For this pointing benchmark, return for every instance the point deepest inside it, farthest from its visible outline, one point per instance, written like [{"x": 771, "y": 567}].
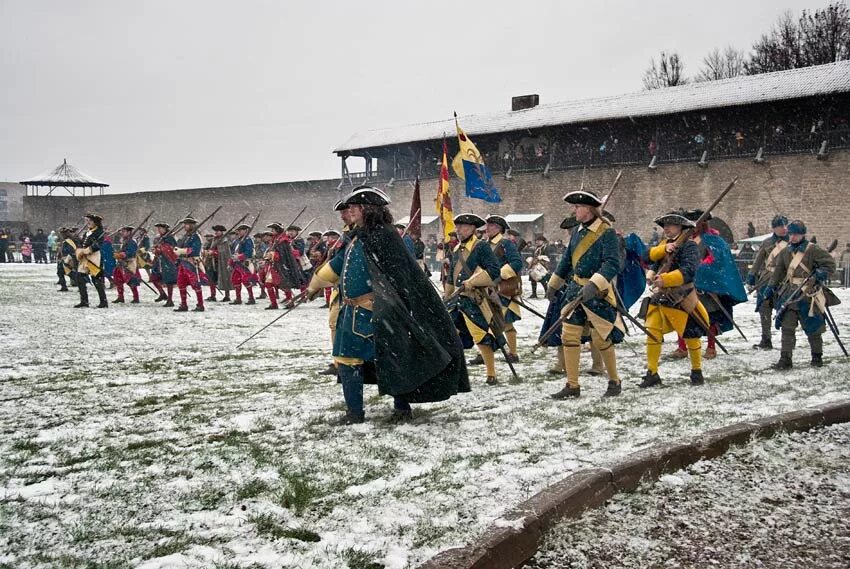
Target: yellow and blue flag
[{"x": 469, "y": 167}]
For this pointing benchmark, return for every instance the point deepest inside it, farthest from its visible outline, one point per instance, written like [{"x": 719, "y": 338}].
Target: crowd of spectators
[{"x": 28, "y": 248}]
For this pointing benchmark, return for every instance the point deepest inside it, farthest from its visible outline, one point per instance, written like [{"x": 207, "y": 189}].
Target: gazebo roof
[{"x": 65, "y": 176}]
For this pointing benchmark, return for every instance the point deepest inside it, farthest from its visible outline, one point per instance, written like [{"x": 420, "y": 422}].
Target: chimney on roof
[{"x": 524, "y": 102}]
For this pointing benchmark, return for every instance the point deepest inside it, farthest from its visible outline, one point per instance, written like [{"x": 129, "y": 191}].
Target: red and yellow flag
[{"x": 444, "y": 199}]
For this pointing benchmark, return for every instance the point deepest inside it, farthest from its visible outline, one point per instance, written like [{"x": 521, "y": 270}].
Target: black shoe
[
  {"x": 63, "y": 289},
  {"x": 169, "y": 303},
  {"x": 650, "y": 380},
  {"x": 326, "y": 305},
  {"x": 235, "y": 302},
  {"x": 182, "y": 308},
  {"x": 400, "y": 416},
  {"x": 512, "y": 358},
  {"x": 763, "y": 345},
  {"x": 271, "y": 307},
  {"x": 331, "y": 370},
  {"x": 118, "y": 300},
  {"x": 198, "y": 309},
  {"x": 784, "y": 362},
  {"x": 82, "y": 305},
  {"x": 102, "y": 305},
  {"x": 211, "y": 299},
  {"x": 817, "y": 360},
  {"x": 134, "y": 301},
  {"x": 567, "y": 393},
  {"x": 476, "y": 361},
  {"x": 696, "y": 377},
  {"x": 533, "y": 296},
  {"x": 251, "y": 301},
  {"x": 491, "y": 380},
  {"x": 226, "y": 298},
  {"x": 614, "y": 389},
  {"x": 351, "y": 418},
  {"x": 160, "y": 298}
]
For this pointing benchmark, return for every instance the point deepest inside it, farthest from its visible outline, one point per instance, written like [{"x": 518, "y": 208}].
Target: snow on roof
[
  {"x": 744, "y": 90},
  {"x": 522, "y": 217},
  {"x": 64, "y": 175},
  {"x": 426, "y": 219}
]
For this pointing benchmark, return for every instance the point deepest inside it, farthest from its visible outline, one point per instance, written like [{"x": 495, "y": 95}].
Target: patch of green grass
[
  {"x": 298, "y": 493},
  {"x": 359, "y": 559},
  {"x": 147, "y": 443},
  {"x": 26, "y": 445},
  {"x": 206, "y": 497},
  {"x": 252, "y": 489},
  {"x": 266, "y": 524},
  {"x": 230, "y": 438}
]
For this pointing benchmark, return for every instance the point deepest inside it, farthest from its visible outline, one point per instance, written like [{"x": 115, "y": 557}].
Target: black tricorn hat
[
  {"x": 674, "y": 217},
  {"x": 498, "y": 220},
  {"x": 162, "y": 224},
  {"x": 568, "y": 223},
  {"x": 331, "y": 232},
  {"x": 293, "y": 228},
  {"x": 191, "y": 220},
  {"x": 219, "y": 228},
  {"x": 340, "y": 206},
  {"x": 514, "y": 232},
  {"x": 128, "y": 228},
  {"x": 316, "y": 233},
  {"x": 541, "y": 237},
  {"x": 400, "y": 226},
  {"x": 276, "y": 226},
  {"x": 94, "y": 217},
  {"x": 470, "y": 219},
  {"x": 366, "y": 195},
  {"x": 244, "y": 226},
  {"x": 583, "y": 197},
  {"x": 694, "y": 215},
  {"x": 607, "y": 215}
]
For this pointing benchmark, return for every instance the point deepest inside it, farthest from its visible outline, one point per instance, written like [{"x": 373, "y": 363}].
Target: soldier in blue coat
[
  {"x": 125, "y": 271},
  {"x": 90, "y": 262},
  {"x": 761, "y": 273},
  {"x": 164, "y": 266},
  {"x": 475, "y": 270},
  {"x": 510, "y": 285},
  {"x": 586, "y": 271},
  {"x": 189, "y": 266},
  {"x": 67, "y": 262}
]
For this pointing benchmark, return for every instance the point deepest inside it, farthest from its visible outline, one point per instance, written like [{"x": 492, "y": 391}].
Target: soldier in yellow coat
[{"x": 674, "y": 306}]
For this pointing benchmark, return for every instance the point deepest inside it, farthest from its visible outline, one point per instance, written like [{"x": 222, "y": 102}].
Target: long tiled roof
[{"x": 744, "y": 90}]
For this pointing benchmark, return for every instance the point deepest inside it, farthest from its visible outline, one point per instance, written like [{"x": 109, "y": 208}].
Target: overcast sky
[{"x": 167, "y": 94}]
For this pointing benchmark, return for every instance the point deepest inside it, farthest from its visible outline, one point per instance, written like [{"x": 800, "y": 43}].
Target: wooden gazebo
[{"x": 64, "y": 176}]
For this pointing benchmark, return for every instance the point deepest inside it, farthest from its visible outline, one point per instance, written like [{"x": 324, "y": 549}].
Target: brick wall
[{"x": 798, "y": 186}]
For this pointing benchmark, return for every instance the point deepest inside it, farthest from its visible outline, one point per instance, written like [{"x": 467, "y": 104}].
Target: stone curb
[{"x": 514, "y": 538}]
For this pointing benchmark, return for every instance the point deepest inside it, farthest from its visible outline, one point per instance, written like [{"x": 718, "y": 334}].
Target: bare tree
[
  {"x": 818, "y": 37},
  {"x": 717, "y": 65},
  {"x": 668, "y": 72}
]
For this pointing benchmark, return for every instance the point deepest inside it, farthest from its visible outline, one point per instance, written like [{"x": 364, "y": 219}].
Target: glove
[
  {"x": 768, "y": 292},
  {"x": 180, "y": 251},
  {"x": 551, "y": 294},
  {"x": 589, "y": 292},
  {"x": 821, "y": 276},
  {"x": 751, "y": 279}
]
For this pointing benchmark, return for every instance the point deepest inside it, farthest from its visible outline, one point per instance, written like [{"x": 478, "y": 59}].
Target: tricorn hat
[
  {"x": 469, "y": 219},
  {"x": 128, "y": 228},
  {"x": 244, "y": 226},
  {"x": 400, "y": 226},
  {"x": 94, "y": 217},
  {"x": 219, "y": 228},
  {"x": 498, "y": 220},
  {"x": 568, "y": 223},
  {"x": 191, "y": 220},
  {"x": 609, "y": 217},
  {"x": 583, "y": 197},
  {"x": 162, "y": 224},
  {"x": 340, "y": 206},
  {"x": 674, "y": 217},
  {"x": 276, "y": 226},
  {"x": 315, "y": 233},
  {"x": 695, "y": 214},
  {"x": 331, "y": 232},
  {"x": 366, "y": 195},
  {"x": 293, "y": 228},
  {"x": 514, "y": 232}
]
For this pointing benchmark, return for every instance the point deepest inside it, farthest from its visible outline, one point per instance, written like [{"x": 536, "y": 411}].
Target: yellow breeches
[
  {"x": 571, "y": 339},
  {"x": 510, "y": 336},
  {"x": 658, "y": 323},
  {"x": 489, "y": 359}
]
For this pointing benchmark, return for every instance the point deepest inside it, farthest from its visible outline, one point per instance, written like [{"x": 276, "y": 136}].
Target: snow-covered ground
[
  {"x": 138, "y": 437},
  {"x": 780, "y": 502}
]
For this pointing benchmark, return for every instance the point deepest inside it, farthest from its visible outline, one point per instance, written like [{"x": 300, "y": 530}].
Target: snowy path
[
  {"x": 781, "y": 502},
  {"x": 159, "y": 446}
]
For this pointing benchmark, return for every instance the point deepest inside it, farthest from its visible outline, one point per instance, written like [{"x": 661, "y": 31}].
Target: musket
[
  {"x": 216, "y": 242},
  {"x": 725, "y": 312},
  {"x": 685, "y": 235},
  {"x": 522, "y": 303},
  {"x": 833, "y": 327},
  {"x": 496, "y": 325},
  {"x": 566, "y": 312},
  {"x": 792, "y": 299},
  {"x": 300, "y": 299},
  {"x": 611, "y": 191},
  {"x": 177, "y": 227},
  {"x": 621, "y": 308},
  {"x": 309, "y": 223},
  {"x": 140, "y": 225},
  {"x": 207, "y": 218},
  {"x": 291, "y": 223}
]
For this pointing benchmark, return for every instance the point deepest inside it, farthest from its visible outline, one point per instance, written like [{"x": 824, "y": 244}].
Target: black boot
[
  {"x": 351, "y": 418},
  {"x": 696, "y": 377},
  {"x": 182, "y": 308},
  {"x": 161, "y": 297},
  {"x": 763, "y": 345},
  {"x": 567, "y": 392},
  {"x": 198, "y": 309},
  {"x": 331, "y": 370},
  {"x": 168, "y": 303},
  {"x": 784, "y": 362},
  {"x": 400, "y": 416},
  {"x": 512, "y": 358},
  {"x": 614, "y": 389},
  {"x": 63, "y": 289},
  {"x": 491, "y": 380},
  {"x": 650, "y": 380},
  {"x": 817, "y": 360},
  {"x": 476, "y": 361},
  {"x": 84, "y": 296}
]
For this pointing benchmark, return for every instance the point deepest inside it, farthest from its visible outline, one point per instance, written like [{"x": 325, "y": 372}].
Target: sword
[
  {"x": 621, "y": 308},
  {"x": 716, "y": 299},
  {"x": 301, "y": 299},
  {"x": 522, "y": 303},
  {"x": 565, "y": 313}
]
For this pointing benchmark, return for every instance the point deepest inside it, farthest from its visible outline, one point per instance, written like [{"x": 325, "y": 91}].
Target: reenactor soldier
[
  {"x": 219, "y": 260},
  {"x": 164, "y": 266},
  {"x": 538, "y": 264},
  {"x": 474, "y": 270},
  {"x": 143, "y": 254},
  {"x": 799, "y": 285},
  {"x": 761, "y": 275},
  {"x": 241, "y": 264},
  {"x": 189, "y": 273},
  {"x": 674, "y": 305},
  {"x": 333, "y": 245},
  {"x": 333, "y": 299},
  {"x": 90, "y": 262},
  {"x": 510, "y": 285},
  {"x": 392, "y": 328},
  {"x": 126, "y": 268},
  {"x": 586, "y": 271},
  {"x": 67, "y": 262}
]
